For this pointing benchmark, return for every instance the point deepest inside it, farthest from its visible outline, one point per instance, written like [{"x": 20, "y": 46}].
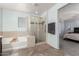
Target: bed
[{"x": 72, "y": 35}]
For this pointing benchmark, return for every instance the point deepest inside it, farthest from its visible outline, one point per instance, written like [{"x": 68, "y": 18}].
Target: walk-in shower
[{"x": 37, "y": 28}]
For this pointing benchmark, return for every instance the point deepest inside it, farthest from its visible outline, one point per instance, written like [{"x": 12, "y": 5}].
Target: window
[{"x": 21, "y": 22}]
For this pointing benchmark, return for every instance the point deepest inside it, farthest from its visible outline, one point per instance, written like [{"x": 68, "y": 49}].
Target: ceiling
[
  {"x": 69, "y": 12},
  {"x": 36, "y": 8}
]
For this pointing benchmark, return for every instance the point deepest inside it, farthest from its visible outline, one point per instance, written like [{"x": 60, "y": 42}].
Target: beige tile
[{"x": 39, "y": 50}]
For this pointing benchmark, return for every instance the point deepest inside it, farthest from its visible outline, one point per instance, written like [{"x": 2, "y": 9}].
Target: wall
[
  {"x": 69, "y": 17},
  {"x": 52, "y": 16},
  {"x": 10, "y": 19},
  {"x": 9, "y": 22},
  {"x": 71, "y": 24}
]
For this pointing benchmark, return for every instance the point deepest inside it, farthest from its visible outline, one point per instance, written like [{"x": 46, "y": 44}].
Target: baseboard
[{"x": 40, "y": 43}]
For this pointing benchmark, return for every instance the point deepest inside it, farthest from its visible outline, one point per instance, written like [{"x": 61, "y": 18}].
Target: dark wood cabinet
[{"x": 0, "y": 46}]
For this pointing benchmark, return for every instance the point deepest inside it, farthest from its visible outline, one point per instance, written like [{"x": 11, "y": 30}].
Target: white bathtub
[{"x": 21, "y": 42}]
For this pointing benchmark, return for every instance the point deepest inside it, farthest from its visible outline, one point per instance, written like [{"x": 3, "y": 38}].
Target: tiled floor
[{"x": 39, "y": 50}]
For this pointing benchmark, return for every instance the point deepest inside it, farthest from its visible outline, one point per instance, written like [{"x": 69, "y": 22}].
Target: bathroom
[{"x": 21, "y": 29}]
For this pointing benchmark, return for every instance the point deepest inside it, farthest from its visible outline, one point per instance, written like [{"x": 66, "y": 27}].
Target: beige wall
[
  {"x": 13, "y": 34},
  {"x": 1, "y": 33}
]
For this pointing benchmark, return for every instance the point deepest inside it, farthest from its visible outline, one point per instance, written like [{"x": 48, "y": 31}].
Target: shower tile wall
[{"x": 37, "y": 28}]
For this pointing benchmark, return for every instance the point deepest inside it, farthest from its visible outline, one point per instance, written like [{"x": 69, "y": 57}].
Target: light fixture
[
  {"x": 36, "y": 5},
  {"x": 36, "y": 12}
]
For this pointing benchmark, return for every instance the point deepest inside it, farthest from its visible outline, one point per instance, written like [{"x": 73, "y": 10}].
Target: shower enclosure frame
[{"x": 38, "y": 23}]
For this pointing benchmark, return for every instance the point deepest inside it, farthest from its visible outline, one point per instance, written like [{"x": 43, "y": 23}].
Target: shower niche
[{"x": 38, "y": 28}]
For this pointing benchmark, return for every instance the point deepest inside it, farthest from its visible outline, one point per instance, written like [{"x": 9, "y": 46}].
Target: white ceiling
[
  {"x": 69, "y": 12},
  {"x": 28, "y": 7}
]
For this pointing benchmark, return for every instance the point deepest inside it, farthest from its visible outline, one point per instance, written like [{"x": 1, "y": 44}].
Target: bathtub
[{"x": 21, "y": 42}]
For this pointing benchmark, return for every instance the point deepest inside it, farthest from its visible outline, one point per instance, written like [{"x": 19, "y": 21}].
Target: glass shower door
[{"x": 38, "y": 29}]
